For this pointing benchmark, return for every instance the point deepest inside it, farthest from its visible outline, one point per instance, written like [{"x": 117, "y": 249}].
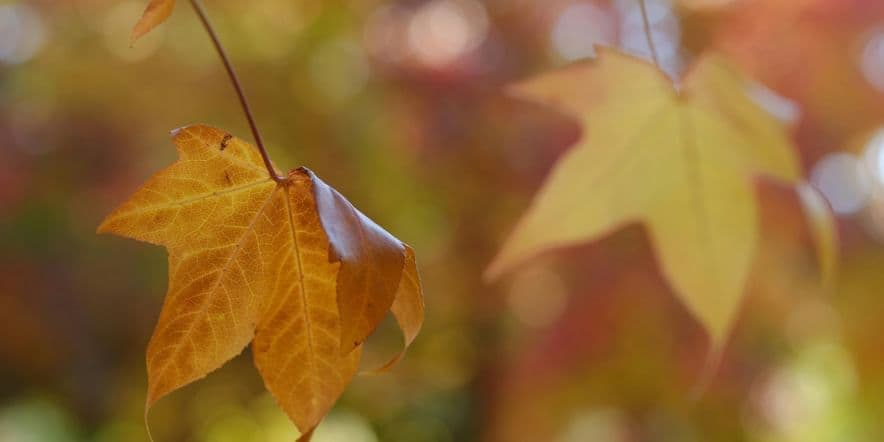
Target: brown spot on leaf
[{"x": 225, "y": 140}]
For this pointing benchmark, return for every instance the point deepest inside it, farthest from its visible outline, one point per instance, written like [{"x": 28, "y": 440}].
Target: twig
[
  {"x": 236, "y": 85},
  {"x": 647, "y": 25}
]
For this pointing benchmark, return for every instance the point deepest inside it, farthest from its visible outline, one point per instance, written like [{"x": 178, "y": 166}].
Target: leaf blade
[
  {"x": 407, "y": 308},
  {"x": 371, "y": 260},
  {"x": 684, "y": 171}
]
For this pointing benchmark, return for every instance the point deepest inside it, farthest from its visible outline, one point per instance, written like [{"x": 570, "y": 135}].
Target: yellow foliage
[{"x": 680, "y": 159}]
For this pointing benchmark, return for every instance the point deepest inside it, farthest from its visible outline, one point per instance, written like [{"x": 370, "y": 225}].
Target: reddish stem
[{"x": 238, "y": 87}]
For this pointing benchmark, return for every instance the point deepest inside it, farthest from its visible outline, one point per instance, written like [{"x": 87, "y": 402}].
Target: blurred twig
[{"x": 648, "y": 35}]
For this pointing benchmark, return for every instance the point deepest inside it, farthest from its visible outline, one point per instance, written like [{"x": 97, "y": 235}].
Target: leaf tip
[
  {"x": 604, "y": 50},
  {"x": 106, "y": 225},
  {"x": 507, "y": 259},
  {"x": 137, "y": 32},
  {"x": 493, "y": 272},
  {"x": 190, "y": 128},
  {"x": 708, "y": 371},
  {"x": 348, "y": 346},
  {"x": 307, "y": 435},
  {"x": 156, "y": 12}
]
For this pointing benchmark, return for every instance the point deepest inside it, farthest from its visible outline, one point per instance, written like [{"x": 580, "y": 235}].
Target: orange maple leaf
[{"x": 290, "y": 266}]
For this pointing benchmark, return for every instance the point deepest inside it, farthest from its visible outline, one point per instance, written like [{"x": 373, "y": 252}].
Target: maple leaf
[
  {"x": 290, "y": 266},
  {"x": 156, "y": 12},
  {"x": 680, "y": 160}
]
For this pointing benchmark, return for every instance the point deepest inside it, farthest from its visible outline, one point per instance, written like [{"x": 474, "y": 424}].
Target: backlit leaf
[{"x": 292, "y": 267}]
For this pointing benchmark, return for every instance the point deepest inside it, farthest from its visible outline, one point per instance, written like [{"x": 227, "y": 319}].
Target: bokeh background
[{"x": 399, "y": 105}]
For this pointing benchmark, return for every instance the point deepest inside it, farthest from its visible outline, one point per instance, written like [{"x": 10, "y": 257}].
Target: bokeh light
[
  {"x": 873, "y": 159},
  {"x": 338, "y": 70},
  {"x": 384, "y": 33},
  {"x": 803, "y": 399},
  {"x": 345, "y": 426},
  {"x": 843, "y": 180},
  {"x": 442, "y": 31},
  {"x": 874, "y": 155},
  {"x": 775, "y": 104},
  {"x": 22, "y": 33},
  {"x": 872, "y": 60},
  {"x": 607, "y": 425},
  {"x": 579, "y": 27},
  {"x": 537, "y": 296},
  {"x": 35, "y": 420}
]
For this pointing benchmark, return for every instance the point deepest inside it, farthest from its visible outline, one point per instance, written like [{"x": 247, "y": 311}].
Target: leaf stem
[
  {"x": 647, "y": 25},
  {"x": 198, "y": 8}
]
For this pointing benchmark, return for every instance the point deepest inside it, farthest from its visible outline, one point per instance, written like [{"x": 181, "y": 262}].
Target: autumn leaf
[
  {"x": 156, "y": 12},
  {"x": 290, "y": 266},
  {"x": 679, "y": 159}
]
